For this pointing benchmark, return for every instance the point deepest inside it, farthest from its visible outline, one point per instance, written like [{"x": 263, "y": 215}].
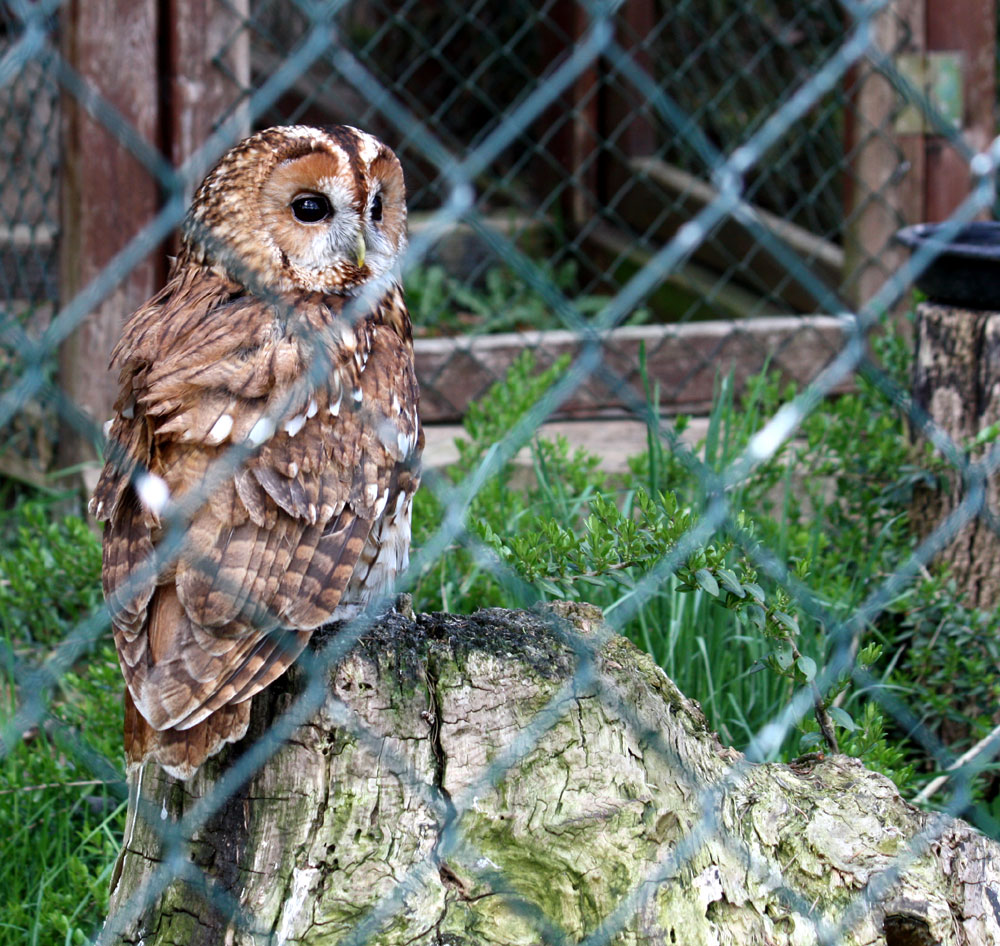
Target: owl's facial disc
[
  {"x": 327, "y": 217},
  {"x": 300, "y": 208}
]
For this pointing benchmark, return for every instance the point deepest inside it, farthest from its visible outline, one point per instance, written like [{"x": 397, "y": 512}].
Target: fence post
[
  {"x": 157, "y": 62},
  {"x": 880, "y": 186},
  {"x": 576, "y": 144},
  {"x": 106, "y": 193},
  {"x": 208, "y": 73}
]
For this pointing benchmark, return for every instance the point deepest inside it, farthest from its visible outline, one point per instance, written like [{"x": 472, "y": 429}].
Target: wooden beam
[
  {"x": 107, "y": 195},
  {"x": 636, "y": 22},
  {"x": 684, "y": 359}
]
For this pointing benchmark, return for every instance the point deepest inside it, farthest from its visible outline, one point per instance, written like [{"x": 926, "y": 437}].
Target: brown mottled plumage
[{"x": 263, "y": 341}]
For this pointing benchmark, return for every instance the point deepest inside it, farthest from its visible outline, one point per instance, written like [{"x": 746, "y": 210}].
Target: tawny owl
[{"x": 268, "y": 408}]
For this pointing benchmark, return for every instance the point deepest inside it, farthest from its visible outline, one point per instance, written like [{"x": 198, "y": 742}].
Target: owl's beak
[{"x": 361, "y": 250}]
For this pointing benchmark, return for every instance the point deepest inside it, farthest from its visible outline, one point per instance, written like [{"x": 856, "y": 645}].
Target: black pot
[{"x": 966, "y": 270}]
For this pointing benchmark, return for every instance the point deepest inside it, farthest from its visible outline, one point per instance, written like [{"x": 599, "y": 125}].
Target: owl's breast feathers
[{"x": 261, "y": 464}]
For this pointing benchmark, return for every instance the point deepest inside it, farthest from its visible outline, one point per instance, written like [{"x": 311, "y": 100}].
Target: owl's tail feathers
[{"x": 181, "y": 751}]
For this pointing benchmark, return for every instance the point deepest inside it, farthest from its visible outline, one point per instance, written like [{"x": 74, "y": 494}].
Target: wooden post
[
  {"x": 107, "y": 195},
  {"x": 877, "y": 197},
  {"x": 963, "y": 32},
  {"x": 576, "y": 143},
  {"x": 207, "y": 72},
  {"x": 637, "y": 22},
  {"x": 157, "y": 63},
  {"x": 956, "y": 380}
]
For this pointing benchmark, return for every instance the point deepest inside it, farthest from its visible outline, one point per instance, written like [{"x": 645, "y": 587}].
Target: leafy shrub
[{"x": 439, "y": 304}]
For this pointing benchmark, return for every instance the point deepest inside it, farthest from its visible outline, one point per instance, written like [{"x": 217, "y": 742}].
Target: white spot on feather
[
  {"x": 403, "y": 442},
  {"x": 295, "y": 424},
  {"x": 163, "y": 811},
  {"x": 312, "y": 408},
  {"x": 128, "y": 412},
  {"x": 107, "y": 428},
  {"x": 335, "y": 406},
  {"x": 153, "y": 492},
  {"x": 380, "y": 505},
  {"x": 368, "y": 146},
  {"x": 357, "y": 395},
  {"x": 400, "y": 499},
  {"x": 395, "y": 403},
  {"x": 261, "y": 431},
  {"x": 371, "y": 493},
  {"x": 347, "y": 337},
  {"x": 221, "y": 429}
]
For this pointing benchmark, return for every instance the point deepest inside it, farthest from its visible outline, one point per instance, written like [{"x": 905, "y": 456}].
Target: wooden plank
[
  {"x": 827, "y": 257},
  {"x": 627, "y": 108},
  {"x": 684, "y": 359},
  {"x": 208, "y": 71},
  {"x": 107, "y": 195}
]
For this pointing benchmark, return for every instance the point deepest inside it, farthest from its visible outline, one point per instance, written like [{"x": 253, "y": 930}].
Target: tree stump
[
  {"x": 482, "y": 780},
  {"x": 956, "y": 380}
]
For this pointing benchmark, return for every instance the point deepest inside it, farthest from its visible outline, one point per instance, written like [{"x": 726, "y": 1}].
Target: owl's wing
[{"x": 271, "y": 541}]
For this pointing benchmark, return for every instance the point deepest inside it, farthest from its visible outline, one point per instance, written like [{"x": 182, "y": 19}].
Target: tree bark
[
  {"x": 382, "y": 821},
  {"x": 956, "y": 380}
]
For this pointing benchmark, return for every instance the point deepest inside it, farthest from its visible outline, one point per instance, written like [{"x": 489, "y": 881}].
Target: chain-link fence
[{"x": 683, "y": 202}]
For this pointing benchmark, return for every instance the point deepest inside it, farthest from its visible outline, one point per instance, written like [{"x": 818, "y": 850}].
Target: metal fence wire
[{"x": 678, "y": 164}]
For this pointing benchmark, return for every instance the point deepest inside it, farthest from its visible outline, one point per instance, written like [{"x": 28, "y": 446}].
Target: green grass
[{"x": 61, "y": 794}]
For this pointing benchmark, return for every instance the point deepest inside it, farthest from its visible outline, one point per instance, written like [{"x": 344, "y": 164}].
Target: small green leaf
[
  {"x": 756, "y": 616},
  {"x": 787, "y": 621},
  {"x": 842, "y": 718},
  {"x": 707, "y": 581},
  {"x": 730, "y": 582},
  {"x": 755, "y": 590},
  {"x": 808, "y": 667},
  {"x": 783, "y": 658}
]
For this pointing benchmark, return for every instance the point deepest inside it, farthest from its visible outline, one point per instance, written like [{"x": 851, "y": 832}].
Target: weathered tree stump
[
  {"x": 956, "y": 379},
  {"x": 620, "y": 814}
]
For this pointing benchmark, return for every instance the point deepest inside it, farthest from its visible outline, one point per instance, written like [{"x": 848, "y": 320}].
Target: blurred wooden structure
[
  {"x": 154, "y": 63},
  {"x": 902, "y": 167}
]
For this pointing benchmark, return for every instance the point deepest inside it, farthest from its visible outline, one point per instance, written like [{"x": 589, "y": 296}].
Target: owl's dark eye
[
  {"x": 377, "y": 207},
  {"x": 312, "y": 208}
]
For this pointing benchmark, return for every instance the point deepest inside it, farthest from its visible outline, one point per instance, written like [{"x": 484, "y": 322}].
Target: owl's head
[{"x": 300, "y": 208}]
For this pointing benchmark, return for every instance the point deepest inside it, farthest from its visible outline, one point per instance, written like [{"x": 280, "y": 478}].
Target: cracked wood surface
[{"x": 481, "y": 780}]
